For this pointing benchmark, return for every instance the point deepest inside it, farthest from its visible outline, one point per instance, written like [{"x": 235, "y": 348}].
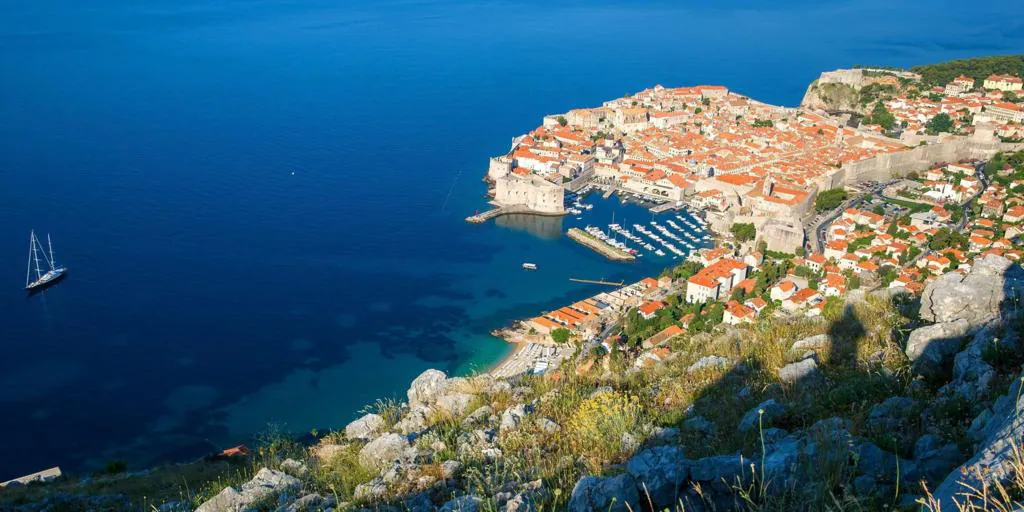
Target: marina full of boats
[
  {"x": 576, "y": 207},
  {"x": 661, "y": 239},
  {"x": 673, "y": 234}
]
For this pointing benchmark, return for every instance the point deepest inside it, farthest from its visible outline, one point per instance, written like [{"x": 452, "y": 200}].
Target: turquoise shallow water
[{"x": 213, "y": 291}]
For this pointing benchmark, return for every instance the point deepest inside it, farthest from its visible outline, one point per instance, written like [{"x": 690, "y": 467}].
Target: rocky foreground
[
  {"x": 889, "y": 402},
  {"x": 464, "y": 443}
]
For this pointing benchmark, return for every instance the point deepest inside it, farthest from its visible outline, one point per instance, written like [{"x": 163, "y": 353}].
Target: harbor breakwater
[{"x": 581, "y": 237}]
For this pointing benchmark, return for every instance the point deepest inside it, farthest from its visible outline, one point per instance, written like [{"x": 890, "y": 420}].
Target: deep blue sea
[{"x": 261, "y": 202}]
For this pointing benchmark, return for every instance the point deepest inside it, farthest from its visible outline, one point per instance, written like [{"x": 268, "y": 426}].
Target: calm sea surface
[{"x": 261, "y": 202}]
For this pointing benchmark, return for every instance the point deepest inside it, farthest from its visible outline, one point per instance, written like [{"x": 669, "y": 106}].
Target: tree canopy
[
  {"x": 829, "y": 199},
  {"x": 743, "y": 231},
  {"x": 560, "y": 335},
  {"x": 977, "y": 68},
  {"x": 946, "y": 238},
  {"x": 941, "y": 123},
  {"x": 881, "y": 116}
]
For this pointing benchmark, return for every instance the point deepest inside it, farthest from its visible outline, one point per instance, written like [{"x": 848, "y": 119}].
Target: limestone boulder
[
  {"x": 662, "y": 435},
  {"x": 548, "y": 426},
  {"x": 763, "y": 415},
  {"x": 931, "y": 348},
  {"x": 816, "y": 342},
  {"x": 513, "y": 416},
  {"x": 800, "y": 372},
  {"x": 708, "y": 362},
  {"x": 882, "y": 465},
  {"x": 479, "y": 416},
  {"x": 716, "y": 476},
  {"x": 294, "y": 468},
  {"x": 468, "y": 503},
  {"x": 455, "y": 404},
  {"x": 972, "y": 374},
  {"x": 326, "y": 452},
  {"x": 892, "y": 415},
  {"x": 374, "y": 489},
  {"x": 265, "y": 484},
  {"x": 383, "y": 451},
  {"x": 414, "y": 421},
  {"x": 607, "y": 494},
  {"x": 935, "y": 458},
  {"x": 660, "y": 473},
  {"x": 699, "y": 424},
  {"x": 994, "y": 459},
  {"x": 450, "y": 469},
  {"x": 365, "y": 428},
  {"x": 525, "y": 498},
  {"x": 427, "y": 387},
  {"x": 976, "y": 297},
  {"x": 309, "y": 503}
]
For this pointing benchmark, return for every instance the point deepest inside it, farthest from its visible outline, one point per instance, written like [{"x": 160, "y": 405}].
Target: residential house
[
  {"x": 802, "y": 299},
  {"x": 783, "y": 290},
  {"x": 648, "y": 309},
  {"x": 736, "y": 313}
]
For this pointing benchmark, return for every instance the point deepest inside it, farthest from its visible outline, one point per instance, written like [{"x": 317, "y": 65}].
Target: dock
[
  {"x": 498, "y": 211},
  {"x": 608, "y": 193},
  {"x": 612, "y": 253},
  {"x": 594, "y": 281},
  {"x": 663, "y": 207}
]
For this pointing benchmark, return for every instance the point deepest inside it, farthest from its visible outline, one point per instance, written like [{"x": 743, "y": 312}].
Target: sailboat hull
[{"x": 47, "y": 279}]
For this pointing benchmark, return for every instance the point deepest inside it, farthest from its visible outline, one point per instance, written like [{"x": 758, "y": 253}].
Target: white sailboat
[{"x": 51, "y": 275}]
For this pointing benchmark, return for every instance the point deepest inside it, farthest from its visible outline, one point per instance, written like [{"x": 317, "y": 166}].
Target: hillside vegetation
[{"x": 977, "y": 68}]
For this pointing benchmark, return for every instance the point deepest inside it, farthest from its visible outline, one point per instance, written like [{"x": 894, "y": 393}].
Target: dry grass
[{"x": 995, "y": 494}]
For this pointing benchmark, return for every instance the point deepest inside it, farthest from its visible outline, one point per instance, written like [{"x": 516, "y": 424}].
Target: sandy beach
[{"x": 526, "y": 356}]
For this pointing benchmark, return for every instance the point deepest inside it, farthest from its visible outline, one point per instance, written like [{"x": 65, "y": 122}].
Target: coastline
[
  {"x": 498, "y": 366},
  {"x": 527, "y": 356}
]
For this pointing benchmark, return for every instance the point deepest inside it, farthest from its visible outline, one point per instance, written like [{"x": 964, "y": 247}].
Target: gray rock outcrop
[
  {"x": 468, "y": 503},
  {"x": 892, "y": 414},
  {"x": 609, "y": 494},
  {"x": 265, "y": 484},
  {"x": 931, "y": 348},
  {"x": 976, "y": 297},
  {"x": 763, "y": 415},
  {"x": 935, "y": 458},
  {"x": 816, "y": 342},
  {"x": 708, "y": 362},
  {"x": 365, "y": 428},
  {"x": 972, "y": 374},
  {"x": 1002, "y": 430},
  {"x": 383, "y": 451},
  {"x": 414, "y": 421},
  {"x": 513, "y": 416},
  {"x": 660, "y": 472},
  {"x": 802, "y": 371},
  {"x": 426, "y": 387},
  {"x": 882, "y": 465},
  {"x": 455, "y": 404}
]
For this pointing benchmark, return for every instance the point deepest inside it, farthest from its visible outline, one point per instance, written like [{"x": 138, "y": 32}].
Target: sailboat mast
[
  {"x": 28, "y": 266},
  {"x": 35, "y": 254},
  {"x": 50, "y": 245}
]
